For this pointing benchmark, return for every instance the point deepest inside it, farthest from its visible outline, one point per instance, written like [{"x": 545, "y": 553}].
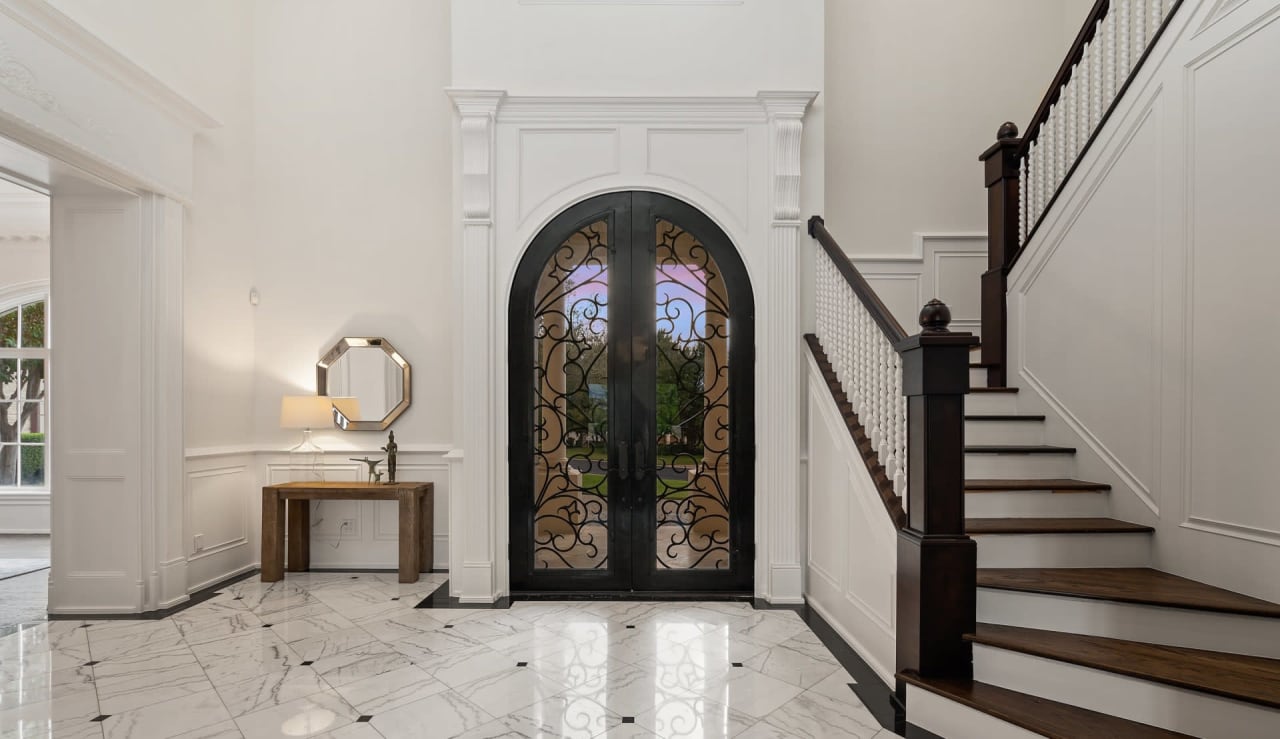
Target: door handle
[
  {"x": 622, "y": 460},
  {"x": 641, "y": 471}
]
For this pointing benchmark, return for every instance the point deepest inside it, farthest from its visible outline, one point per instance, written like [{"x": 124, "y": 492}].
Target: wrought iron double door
[{"x": 631, "y": 375}]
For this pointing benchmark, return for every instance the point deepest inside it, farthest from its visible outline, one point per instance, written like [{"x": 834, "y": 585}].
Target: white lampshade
[{"x": 306, "y": 412}]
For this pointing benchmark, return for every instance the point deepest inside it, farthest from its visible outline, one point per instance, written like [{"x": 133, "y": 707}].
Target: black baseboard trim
[
  {"x": 631, "y": 595},
  {"x": 877, "y": 696},
  {"x": 440, "y": 598},
  {"x": 915, "y": 732},
  {"x": 23, "y": 574},
  {"x": 195, "y": 598}
]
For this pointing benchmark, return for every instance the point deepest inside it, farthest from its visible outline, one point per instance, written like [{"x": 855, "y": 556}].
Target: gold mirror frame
[{"x": 356, "y": 342}]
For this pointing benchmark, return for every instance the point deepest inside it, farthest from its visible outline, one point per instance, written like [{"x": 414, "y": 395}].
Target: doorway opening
[
  {"x": 24, "y": 404},
  {"x": 632, "y": 403}
]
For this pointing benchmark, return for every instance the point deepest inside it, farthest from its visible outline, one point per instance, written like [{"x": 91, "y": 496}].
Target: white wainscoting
[
  {"x": 24, "y": 512},
  {"x": 852, "y": 545},
  {"x": 1134, "y": 311},
  {"x": 946, "y": 266},
  {"x": 224, "y": 511}
]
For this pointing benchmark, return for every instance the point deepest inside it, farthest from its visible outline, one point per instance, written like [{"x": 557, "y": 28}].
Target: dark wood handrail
[
  {"x": 883, "y": 318},
  {"x": 1074, "y": 55}
]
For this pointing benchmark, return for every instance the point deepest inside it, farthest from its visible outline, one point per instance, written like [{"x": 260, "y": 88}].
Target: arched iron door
[{"x": 632, "y": 403}]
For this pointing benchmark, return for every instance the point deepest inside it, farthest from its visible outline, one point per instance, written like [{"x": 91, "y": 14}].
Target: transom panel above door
[{"x": 631, "y": 388}]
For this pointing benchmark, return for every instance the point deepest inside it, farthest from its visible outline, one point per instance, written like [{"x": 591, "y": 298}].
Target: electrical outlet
[
  {"x": 198, "y": 542},
  {"x": 349, "y": 523}
]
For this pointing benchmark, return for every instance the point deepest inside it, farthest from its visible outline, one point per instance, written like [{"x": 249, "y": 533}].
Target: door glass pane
[
  {"x": 8, "y": 464},
  {"x": 32, "y": 378},
  {"x": 32, "y": 464},
  {"x": 33, "y": 324},
  {"x": 571, "y": 405},
  {"x": 9, "y": 328},
  {"x": 692, "y": 423}
]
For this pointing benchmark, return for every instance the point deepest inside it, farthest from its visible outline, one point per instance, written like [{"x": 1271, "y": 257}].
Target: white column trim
[
  {"x": 472, "y": 505},
  {"x": 780, "y": 432}
]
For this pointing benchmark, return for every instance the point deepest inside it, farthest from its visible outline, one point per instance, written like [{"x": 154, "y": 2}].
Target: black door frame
[{"x": 631, "y": 219}]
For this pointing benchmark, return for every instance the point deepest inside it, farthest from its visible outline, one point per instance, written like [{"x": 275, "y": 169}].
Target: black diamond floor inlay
[
  {"x": 522, "y": 664},
  {"x": 364, "y": 719},
  {"x": 448, "y": 626},
  {"x": 397, "y": 598},
  {"x": 628, "y": 719},
  {"x": 737, "y": 664},
  {"x": 266, "y": 626},
  {"x": 101, "y": 718},
  {"x": 308, "y": 663},
  {"x": 631, "y": 626},
  {"x": 91, "y": 664}
]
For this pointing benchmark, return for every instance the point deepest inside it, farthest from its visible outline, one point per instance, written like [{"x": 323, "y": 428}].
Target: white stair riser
[
  {"x": 1003, "y": 432},
  {"x": 977, "y": 377},
  {"x": 1180, "y": 627},
  {"x": 1018, "y": 466},
  {"x": 945, "y": 717},
  {"x": 1139, "y": 700},
  {"x": 1064, "y": 550},
  {"x": 990, "y": 403},
  {"x": 1035, "y": 505}
]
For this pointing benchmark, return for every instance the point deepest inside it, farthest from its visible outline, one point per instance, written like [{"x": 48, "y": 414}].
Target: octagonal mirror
[{"x": 368, "y": 381}]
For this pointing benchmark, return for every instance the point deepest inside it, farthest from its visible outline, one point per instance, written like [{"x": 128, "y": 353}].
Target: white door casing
[{"x": 521, "y": 161}]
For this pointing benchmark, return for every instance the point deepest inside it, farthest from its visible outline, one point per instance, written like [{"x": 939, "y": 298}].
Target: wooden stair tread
[
  {"x": 1052, "y": 526},
  {"x": 993, "y": 389},
  {"x": 1003, "y": 417},
  {"x": 1033, "y": 713},
  {"x": 1236, "y": 676},
  {"x": 1054, "y": 485},
  {"x": 1018, "y": 449},
  {"x": 1138, "y": 585}
]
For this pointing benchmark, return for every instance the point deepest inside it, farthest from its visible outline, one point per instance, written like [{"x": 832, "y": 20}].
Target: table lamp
[{"x": 306, "y": 412}]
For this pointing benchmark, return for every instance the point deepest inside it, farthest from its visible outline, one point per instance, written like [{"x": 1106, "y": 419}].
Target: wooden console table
[{"x": 415, "y": 522}]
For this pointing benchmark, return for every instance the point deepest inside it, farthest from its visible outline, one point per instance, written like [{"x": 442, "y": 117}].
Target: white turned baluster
[
  {"x": 1084, "y": 100},
  {"x": 1125, "y": 31},
  {"x": 1036, "y": 162},
  {"x": 1024, "y": 190},
  {"x": 1069, "y": 113},
  {"x": 1113, "y": 59},
  {"x": 1140, "y": 35},
  {"x": 1155, "y": 17},
  {"x": 1059, "y": 149},
  {"x": 1095, "y": 86}
]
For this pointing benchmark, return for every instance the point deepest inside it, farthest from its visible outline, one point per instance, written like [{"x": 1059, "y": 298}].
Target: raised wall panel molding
[
  {"x": 689, "y": 110},
  {"x": 631, "y": 2}
]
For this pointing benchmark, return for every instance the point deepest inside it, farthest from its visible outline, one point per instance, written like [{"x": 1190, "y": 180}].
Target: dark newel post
[
  {"x": 1000, "y": 174},
  {"x": 937, "y": 562}
]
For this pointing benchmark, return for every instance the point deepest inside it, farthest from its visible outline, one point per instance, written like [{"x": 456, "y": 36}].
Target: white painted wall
[
  {"x": 1134, "y": 311},
  {"x": 915, "y": 90}
]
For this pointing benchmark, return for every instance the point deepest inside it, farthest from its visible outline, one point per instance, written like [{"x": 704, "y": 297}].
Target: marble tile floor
[
  {"x": 347, "y": 655},
  {"x": 23, "y": 597}
]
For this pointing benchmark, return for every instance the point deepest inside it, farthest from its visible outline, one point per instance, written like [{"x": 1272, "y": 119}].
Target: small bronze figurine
[
  {"x": 373, "y": 465},
  {"x": 391, "y": 449}
]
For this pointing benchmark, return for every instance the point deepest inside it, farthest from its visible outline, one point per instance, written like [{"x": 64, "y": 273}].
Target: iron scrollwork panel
[
  {"x": 571, "y": 433},
  {"x": 691, "y": 478}
]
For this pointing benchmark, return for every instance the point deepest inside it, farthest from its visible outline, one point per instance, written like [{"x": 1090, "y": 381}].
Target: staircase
[{"x": 1077, "y": 636}]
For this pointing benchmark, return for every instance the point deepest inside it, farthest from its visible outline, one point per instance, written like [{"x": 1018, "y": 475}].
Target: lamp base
[{"x": 306, "y": 460}]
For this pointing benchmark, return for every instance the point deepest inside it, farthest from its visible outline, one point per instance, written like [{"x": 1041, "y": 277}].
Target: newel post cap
[
  {"x": 935, "y": 317},
  {"x": 1007, "y": 130}
]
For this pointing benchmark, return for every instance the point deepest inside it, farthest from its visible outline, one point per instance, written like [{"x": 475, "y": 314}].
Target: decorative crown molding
[{"x": 60, "y": 30}]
